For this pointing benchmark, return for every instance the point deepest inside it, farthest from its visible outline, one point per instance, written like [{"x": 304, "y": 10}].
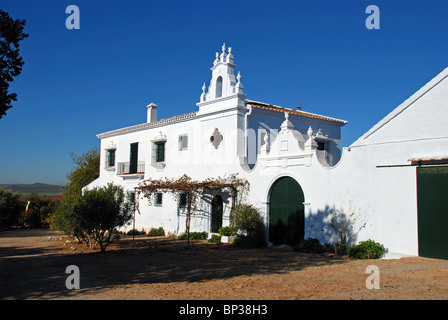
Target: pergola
[{"x": 193, "y": 189}]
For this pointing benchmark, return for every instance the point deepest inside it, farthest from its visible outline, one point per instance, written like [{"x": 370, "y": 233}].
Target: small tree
[
  {"x": 100, "y": 212},
  {"x": 250, "y": 225},
  {"x": 345, "y": 227},
  {"x": 85, "y": 169}
]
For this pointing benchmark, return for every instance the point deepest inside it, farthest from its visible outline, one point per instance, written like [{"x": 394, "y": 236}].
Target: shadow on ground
[{"x": 39, "y": 272}]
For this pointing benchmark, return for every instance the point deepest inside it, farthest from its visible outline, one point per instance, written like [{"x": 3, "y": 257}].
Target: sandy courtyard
[{"x": 33, "y": 263}]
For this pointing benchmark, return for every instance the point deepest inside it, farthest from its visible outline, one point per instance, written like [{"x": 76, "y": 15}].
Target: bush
[
  {"x": 156, "y": 232},
  {"x": 311, "y": 245},
  {"x": 251, "y": 229},
  {"x": 194, "y": 236},
  {"x": 95, "y": 216},
  {"x": 226, "y": 231},
  {"x": 367, "y": 250},
  {"x": 215, "y": 238},
  {"x": 135, "y": 232}
]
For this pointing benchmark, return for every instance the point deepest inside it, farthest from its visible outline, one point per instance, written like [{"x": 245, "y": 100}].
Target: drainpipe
[{"x": 245, "y": 132}]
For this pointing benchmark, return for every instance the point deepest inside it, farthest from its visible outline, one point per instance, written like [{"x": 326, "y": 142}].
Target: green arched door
[{"x": 286, "y": 212}]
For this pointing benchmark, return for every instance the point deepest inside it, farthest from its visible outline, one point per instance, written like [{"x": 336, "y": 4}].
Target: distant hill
[{"x": 41, "y": 188}]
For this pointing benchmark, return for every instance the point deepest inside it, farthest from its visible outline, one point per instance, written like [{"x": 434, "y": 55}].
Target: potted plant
[{"x": 227, "y": 234}]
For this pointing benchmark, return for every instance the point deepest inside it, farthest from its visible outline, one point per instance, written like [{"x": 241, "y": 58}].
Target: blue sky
[{"x": 126, "y": 54}]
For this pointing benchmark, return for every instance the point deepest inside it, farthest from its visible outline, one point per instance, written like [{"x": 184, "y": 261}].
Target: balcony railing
[{"x": 124, "y": 168}]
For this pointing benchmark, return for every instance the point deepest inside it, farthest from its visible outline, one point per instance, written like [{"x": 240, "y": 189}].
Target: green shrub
[
  {"x": 135, "y": 232},
  {"x": 310, "y": 245},
  {"x": 194, "y": 236},
  {"x": 156, "y": 232},
  {"x": 367, "y": 250},
  {"x": 226, "y": 231},
  {"x": 250, "y": 225},
  {"x": 215, "y": 238}
]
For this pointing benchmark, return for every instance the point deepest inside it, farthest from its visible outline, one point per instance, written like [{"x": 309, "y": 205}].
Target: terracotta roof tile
[{"x": 271, "y": 107}]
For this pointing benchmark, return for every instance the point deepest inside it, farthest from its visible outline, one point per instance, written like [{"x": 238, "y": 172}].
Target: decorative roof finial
[
  {"x": 223, "y": 54},
  {"x": 230, "y": 56},
  {"x": 287, "y": 125},
  {"x": 238, "y": 77},
  {"x": 203, "y": 95},
  {"x": 217, "y": 58},
  {"x": 310, "y": 132}
]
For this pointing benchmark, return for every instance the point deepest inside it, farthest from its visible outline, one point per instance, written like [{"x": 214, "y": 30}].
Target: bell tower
[{"x": 224, "y": 86}]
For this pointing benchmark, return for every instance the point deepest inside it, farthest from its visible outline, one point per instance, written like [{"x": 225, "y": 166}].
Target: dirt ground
[{"x": 33, "y": 265}]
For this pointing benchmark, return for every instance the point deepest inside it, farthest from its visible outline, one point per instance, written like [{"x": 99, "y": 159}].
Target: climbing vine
[{"x": 193, "y": 189}]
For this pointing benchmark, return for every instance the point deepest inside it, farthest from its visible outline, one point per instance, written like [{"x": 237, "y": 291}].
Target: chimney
[{"x": 152, "y": 112}]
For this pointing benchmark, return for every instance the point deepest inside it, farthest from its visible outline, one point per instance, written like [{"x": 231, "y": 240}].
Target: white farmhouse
[{"x": 292, "y": 160}]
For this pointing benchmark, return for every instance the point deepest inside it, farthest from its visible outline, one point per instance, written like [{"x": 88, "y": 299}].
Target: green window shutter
[
  {"x": 160, "y": 152},
  {"x": 111, "y": 158},
  {"x": 133, "y": 158}
]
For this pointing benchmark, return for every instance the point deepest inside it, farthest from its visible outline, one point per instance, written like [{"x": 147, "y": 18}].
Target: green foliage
[
  {"x": 101, "y": 211},
  {"x": 95, "y": 216},
  {"x": 215, "y": 238},
  {"x": 135, "y": 232},
  {"x": 38, "y": 211},
  {"x": 310, "y": 245},
  {"x": 367, "y": 250},
  {"x": 11, "y": 33},
  {"x": 250, "y": 225},
  {"x": 64, "y": 218},
  {"x": 194, "y": 236},
  {"x": 156, "y": 232},
  {"x": 227, "y": 231},
  {"x": 86, "y": 168},
  {"x": 10, "y": 208}
]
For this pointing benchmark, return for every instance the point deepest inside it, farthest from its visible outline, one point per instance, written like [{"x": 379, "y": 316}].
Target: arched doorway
[
  {"x": 217, "y": 209},
  {"x": 286, "y": 212}
]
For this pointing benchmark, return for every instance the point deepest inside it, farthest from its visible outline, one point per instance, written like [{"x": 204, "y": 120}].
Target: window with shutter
[
  {"x": 133, "y": 161},
  {"x": 110, "y": 160},
  {"x": 160, "y": 152}
]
